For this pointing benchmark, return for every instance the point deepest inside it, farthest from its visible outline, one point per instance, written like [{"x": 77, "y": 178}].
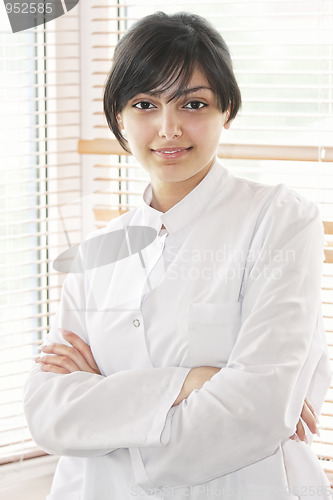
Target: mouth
[{"x": 171, "y": 152}]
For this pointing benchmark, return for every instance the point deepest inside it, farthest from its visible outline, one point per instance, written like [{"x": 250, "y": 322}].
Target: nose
[{"x": 170, "y": 126}]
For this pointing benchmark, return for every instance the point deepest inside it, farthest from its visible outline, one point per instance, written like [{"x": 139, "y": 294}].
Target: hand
[
  {"x": 309, "y": 416},
  {"x": 65, "y": 359},
  {"x": 195, "y": 380}
]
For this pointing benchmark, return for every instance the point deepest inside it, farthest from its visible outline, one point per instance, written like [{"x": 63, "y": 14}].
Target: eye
[
  {"x": 143, "y": 105},
  {"x": 195, "y": 105}
]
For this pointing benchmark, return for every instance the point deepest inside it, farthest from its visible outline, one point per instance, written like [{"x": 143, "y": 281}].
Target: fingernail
[
  {"x": 317, "y": 432},
  {"x": 306, "y": 440},
  {"x": 316, "y": 417},
  {"x": 37, "y": 359},
  {"x": 297, "y": 438}
]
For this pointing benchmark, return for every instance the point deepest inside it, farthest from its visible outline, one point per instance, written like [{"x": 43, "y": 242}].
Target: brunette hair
[{"x": 161, "y": 50}]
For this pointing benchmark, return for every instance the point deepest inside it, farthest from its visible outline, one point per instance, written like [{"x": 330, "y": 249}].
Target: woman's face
[{"x": 177, "y": 140}]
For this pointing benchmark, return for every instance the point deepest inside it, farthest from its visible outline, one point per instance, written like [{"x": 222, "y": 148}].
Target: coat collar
[{"x": 187, "y": 209}]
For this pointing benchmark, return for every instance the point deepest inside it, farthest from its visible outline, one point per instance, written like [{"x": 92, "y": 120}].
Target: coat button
[{"x": 136, "y": 322}]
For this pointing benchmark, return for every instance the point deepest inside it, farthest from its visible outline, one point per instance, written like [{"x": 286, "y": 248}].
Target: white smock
[{"x": 233, "y": 282}]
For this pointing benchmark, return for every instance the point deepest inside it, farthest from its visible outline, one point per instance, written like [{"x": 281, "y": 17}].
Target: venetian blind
[
  {"x": 283, "y": 60},
  {"x": 39, "y": 201}
]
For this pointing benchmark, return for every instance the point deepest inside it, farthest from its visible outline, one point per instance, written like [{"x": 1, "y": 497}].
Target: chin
[{"x": 177, "y": 176}]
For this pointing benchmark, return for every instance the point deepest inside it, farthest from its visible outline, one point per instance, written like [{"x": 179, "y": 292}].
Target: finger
[
  {"x": 301, "y": 432},
  {"x": 69, "y": 352},
  {"x": 311, "y": 408},
  {"x": 313, "y": 411},
  {"x": 309, "y": 405},
  {"x": 308, "y": 417},
  {"x": 45, "y": 367},
  {"x": 82, "y": 347},
  {"x": 59, "y": 361}
]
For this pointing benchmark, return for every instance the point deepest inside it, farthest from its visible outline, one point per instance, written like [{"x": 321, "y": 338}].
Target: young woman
[{"x": 183, "y": 370}]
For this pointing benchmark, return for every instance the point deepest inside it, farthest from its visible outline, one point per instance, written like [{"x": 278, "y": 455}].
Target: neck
[{"x": 165, "y": 195}]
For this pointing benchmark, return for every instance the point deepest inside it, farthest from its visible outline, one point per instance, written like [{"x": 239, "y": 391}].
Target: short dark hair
[{"x": 160, "y": 50}]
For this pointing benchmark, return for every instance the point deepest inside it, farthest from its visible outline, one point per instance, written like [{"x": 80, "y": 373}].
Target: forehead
[{"x": 196, "y": 82}]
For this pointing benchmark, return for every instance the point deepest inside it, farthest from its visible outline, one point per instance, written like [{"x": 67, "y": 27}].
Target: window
[
  {"x": 39, "y": 177},
  {"x": 51, "y": 90}
]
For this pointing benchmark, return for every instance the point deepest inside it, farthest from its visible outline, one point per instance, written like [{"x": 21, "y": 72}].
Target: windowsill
[{"x": 30, "y": 479}]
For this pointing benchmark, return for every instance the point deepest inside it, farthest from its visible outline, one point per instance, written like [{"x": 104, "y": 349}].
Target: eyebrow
[
  {"x": 180, "y": 93},
  {"x": 193, "y": 89}
]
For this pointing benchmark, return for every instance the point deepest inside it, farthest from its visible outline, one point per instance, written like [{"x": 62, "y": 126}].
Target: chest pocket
[{"x": 213, "y": 330}]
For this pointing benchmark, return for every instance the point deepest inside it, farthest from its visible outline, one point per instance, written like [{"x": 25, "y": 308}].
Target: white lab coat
[{"x": 233, "y": 282}]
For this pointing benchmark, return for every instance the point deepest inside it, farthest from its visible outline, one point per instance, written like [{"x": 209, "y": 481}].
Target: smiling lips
[{"x": 171, "y": 153}]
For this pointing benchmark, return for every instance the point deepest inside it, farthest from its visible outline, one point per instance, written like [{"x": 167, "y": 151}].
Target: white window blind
[
  {"x": 283, "y": 60},
  {"x": 39, "y": 199}
]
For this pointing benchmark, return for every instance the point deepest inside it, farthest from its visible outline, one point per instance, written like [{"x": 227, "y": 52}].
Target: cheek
[
  {"x": 138, "y": 131},
  {"x": 137, "y": 138},
  {"x": 206, "y": 130}
]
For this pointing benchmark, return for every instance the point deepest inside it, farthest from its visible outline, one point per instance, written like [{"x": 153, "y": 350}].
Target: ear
[
  {"x": 120, "y": 122},
  {"x": 226, "y": 123}
]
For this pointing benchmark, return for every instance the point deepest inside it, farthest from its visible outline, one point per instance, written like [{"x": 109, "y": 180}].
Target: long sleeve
[
  {"x": 84, "y": 414},
  {"x": 251, "y": 406}
]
